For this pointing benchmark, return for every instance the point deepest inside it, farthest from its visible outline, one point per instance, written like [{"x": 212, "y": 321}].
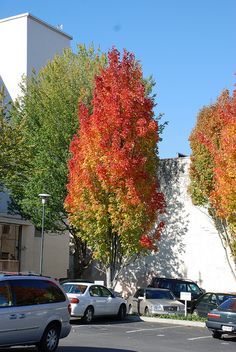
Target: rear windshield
[
  {"x": 229, "y": 304},
  {"x": 74, "y": 288}
]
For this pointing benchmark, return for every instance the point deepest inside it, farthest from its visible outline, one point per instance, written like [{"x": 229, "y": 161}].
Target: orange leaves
[
  {"x": 213, "y": 142},
  {"x": 113, "y": 169}
]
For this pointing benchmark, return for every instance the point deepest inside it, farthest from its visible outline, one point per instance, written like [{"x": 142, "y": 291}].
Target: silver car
[
  {"x": 154, "y": 301},
  {"x": 34, "y": 310}
]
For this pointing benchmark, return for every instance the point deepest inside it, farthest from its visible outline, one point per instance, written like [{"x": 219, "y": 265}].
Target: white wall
[
  {"x": 13, "y": 58},
  {"x": 26, "y": 42},
  {"x": 190, "y": 246}
]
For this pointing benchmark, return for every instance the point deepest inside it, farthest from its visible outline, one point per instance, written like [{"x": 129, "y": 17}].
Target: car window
[
  {"x": 105, "y": 292},
  {"x": 156, "y": 294},
  {"x": 213, "y": 299},
  {"x": 180, "y": 287},
  {"x": 74, "y": 288},
  {"x": 205, "y": 298},
  {"x": 5, "y": 297},
  {"x": 193, "y": 288},
  {"x": 94, "y": 291},
  {"x": 30, "y": 292},
  {"x": 229, "y": 304}
]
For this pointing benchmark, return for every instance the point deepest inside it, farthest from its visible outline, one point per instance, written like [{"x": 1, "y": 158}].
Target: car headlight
[{"x": 157, "y": 307}]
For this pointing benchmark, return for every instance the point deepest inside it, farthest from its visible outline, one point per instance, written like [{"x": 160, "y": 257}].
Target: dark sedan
[
  {"x": 222, "y": 320},
  {"x": 209, "y": 301}
]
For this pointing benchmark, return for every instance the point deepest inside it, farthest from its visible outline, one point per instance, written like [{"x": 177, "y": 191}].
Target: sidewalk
[{"x": 166, "y": 321}]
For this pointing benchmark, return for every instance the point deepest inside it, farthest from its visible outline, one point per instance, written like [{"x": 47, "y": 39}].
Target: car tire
[
  {"x": 146, "y": 311},
  {"x": 88, "y": 315},
  {"x": 50, "y": 339},
  {"x": 216, "y": 334},
  {"x": 122, "y": 312}
]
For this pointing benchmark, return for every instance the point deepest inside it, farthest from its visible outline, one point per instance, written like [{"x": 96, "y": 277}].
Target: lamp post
[{"x": 44, "y": 197}]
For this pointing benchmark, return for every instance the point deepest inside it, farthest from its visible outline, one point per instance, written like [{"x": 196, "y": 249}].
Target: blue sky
[{"x": 188, "y": 46}]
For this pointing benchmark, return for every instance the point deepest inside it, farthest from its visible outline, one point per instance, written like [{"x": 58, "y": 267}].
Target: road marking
[
  {"x": 153, "y": 329},
  {"x": 198, "y": 338},
  {"x": 160, "y": 335}
]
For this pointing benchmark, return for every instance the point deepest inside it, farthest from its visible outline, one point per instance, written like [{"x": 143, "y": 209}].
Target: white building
[{"x": 27, "y": 43}]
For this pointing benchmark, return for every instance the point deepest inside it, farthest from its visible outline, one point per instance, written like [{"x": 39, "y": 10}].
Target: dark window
[
  {"x": 29, "y": 292},
  {"x": 5, "y": 296},
  {"x": 94, "y": 291},
  {"x": 74, "y": 288},
  {"x": 105, "y": 292}
]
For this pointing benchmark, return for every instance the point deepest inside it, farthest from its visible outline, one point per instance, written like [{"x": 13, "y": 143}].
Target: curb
[{"x": 167, "y": 321}]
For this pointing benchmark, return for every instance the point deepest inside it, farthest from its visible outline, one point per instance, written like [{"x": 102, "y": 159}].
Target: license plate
[{"x": 227, "y": 328}]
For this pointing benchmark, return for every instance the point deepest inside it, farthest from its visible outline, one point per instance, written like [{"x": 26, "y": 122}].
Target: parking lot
[{"x": 139, "y": 336}]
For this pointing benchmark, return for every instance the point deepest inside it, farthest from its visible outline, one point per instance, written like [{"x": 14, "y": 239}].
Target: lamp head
[{"x": 44, "y": 197}]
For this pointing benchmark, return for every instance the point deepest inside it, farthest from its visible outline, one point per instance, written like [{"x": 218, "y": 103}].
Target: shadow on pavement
[
  {"x": 103, "y": 320},
  {"x": 91, "y": 349}
]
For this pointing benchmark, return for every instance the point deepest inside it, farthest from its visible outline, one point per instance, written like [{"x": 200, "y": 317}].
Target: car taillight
[
  {"x": 69, "y": 308},
  {"x": 74, "y": 300},
  {"x": 213, "y": 315}
]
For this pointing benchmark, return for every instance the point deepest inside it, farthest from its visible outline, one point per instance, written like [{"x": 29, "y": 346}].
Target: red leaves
[{"x": 114, "y": 161}]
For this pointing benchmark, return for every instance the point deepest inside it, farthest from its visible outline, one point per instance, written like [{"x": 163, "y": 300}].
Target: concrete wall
[
  {"x": 190, "y": 246},
  {"x": 26, "y": 43}
]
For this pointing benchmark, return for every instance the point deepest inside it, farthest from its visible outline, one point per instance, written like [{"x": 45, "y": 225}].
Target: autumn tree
[
  {"x": 113, "y": 195},
  {"x": 213, "y": 167},
  {"x": 48, "y": 107}
]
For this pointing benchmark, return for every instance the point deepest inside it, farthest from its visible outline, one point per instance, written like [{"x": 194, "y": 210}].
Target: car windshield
[
  {"x": 74, "y": 288},
  {"x": 229, "y": 304},
  {"x": 157, "y": 294}
]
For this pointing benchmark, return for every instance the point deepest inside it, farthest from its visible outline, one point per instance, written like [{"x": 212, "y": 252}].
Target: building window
[{"x": 9, "y": 242}]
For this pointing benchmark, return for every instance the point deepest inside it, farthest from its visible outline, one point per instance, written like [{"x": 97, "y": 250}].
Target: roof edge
[{"x": 36, "y": 19}]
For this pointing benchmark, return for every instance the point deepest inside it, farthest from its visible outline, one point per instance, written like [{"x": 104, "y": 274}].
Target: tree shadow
[{"x": 167, "y": 261}]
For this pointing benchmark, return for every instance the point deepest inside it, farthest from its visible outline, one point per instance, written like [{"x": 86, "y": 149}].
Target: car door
[
  {"x": 8, "y": 321},
  {"x": 98, "y": 301},
  {"x": 112, "y": 303},
  {"x": 202, "y": 305}
]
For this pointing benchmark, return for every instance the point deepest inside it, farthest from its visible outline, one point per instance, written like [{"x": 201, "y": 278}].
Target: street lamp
[{"x": 44, "y": 197}]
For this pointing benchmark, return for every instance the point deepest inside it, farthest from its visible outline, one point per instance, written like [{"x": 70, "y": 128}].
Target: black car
[
  {"x": 209, "y": 301},
  {"x": 222, "y": 320},
  {"x": 177, "y": 286}
]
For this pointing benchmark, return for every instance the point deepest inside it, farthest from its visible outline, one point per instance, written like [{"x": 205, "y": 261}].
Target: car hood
[{"x": 165, "y": 302}]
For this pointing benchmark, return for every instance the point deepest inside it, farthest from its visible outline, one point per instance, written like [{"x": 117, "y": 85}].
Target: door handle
[{"x": 13, "y": 316}]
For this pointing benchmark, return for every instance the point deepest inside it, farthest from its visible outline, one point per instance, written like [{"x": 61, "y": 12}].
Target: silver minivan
[{"x": 34, "y": 310}]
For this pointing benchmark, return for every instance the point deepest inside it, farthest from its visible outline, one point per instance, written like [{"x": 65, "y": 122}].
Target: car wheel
[
  {"x": 216, "y": 334},
  {"x": 146, "y": 311},
  {"x": 88, "y": 315},
  {"x": 50, "y": 339},
  {"x": 122, "y": 312}
]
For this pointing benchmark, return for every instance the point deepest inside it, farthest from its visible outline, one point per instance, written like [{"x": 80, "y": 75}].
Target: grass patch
[{"x": 189, "y": 317}]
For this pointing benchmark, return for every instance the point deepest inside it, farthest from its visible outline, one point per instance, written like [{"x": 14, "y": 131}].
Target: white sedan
[{"x": 89, "y": 300}]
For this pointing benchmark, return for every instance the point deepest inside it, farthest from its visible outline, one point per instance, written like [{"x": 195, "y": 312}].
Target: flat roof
[{"x": 36, "y": 19}]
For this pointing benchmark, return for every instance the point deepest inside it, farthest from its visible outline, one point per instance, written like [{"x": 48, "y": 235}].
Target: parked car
[
  {"x": 222, "y": 320},
  {"x": 34, "y": 310},
  {"x": 89, "y": 300},
  {"x": 209, "y": 301},
  {"x": 177, "y": 286},
  {"x": 148, "y": 301}
]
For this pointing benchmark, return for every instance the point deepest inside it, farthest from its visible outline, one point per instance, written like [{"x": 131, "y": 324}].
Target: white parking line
[
  {"x": 153, "y": 329},
  {"x": 198, "y": 338}
]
